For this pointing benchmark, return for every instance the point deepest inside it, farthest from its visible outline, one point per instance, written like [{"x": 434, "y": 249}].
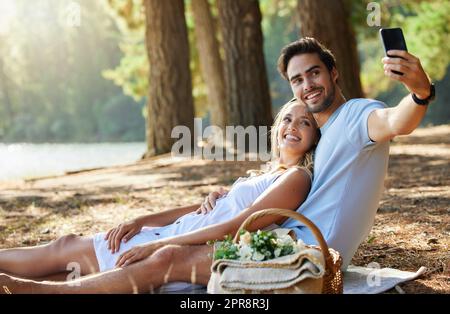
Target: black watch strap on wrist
[
  {"x": 426, "y": 101},
  {"x": 422, "y": 102}
]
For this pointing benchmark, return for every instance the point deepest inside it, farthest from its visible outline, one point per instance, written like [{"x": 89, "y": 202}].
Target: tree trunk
[
  {"x": 210, "y": 63},
  {"x": 329, "y": 22},
  {"x": 247, "y": 90},
  {"x": 170, "y": 100}
]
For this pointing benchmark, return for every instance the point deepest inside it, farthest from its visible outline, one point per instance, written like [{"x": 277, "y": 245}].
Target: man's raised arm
[{"x": 385, "y": 124}]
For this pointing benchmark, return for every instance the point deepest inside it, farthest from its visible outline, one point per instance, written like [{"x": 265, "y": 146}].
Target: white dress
[{"x": 243, "y": 193}]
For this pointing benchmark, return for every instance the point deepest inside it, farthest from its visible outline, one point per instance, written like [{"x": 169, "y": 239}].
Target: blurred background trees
[
  {"x": 333, "y": 28},
  {"x": 93, "y": 82},
  {"x": 208, "y": 47},
  {"x": 52, "y": 88}
]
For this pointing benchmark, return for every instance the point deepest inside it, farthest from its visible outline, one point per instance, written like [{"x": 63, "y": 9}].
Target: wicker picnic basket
[{"x": 333, "y": 278}]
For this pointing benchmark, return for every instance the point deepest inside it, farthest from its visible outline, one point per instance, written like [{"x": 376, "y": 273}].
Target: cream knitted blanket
[{"x": 235, "y": 276}]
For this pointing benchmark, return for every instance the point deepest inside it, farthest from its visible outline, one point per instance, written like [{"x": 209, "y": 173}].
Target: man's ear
[{"x": 334, "y": 75}]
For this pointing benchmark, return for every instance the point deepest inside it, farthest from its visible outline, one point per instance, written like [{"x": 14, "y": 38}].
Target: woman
[{"x": 285, "y": 184}]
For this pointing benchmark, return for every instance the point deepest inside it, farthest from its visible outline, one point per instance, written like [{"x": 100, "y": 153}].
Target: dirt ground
[{"x": 411, "y": 229}]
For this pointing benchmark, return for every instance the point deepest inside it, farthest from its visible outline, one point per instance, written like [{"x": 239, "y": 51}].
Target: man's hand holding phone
[
  {"x": 402, "y": 66},
  {"x": 414, "y": 77}
]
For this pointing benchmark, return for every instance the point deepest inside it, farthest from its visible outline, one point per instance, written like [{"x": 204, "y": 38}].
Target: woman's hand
[
  {"x": 210, "y": 201},
  {"x": 123, "y": 232},
  {"x": 137, "y": 253}
]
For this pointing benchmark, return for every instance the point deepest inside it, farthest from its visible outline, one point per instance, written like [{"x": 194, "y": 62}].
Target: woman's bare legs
[
  {"x": 69, "y": 253},
  {"x": 168, "y": 264}
]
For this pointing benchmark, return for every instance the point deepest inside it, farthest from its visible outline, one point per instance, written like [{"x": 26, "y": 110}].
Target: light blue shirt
[{"x": 349, "y": 171}]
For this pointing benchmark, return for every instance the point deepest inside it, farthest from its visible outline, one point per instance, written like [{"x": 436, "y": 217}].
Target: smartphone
[{"x": 393, "y": 38}]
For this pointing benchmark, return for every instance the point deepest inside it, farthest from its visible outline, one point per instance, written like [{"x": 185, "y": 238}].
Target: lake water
[{"x": 21, "y": 161}]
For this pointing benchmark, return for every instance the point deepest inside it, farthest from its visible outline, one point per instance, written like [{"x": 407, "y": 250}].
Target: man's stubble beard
[{"x": 326, "y": 103}]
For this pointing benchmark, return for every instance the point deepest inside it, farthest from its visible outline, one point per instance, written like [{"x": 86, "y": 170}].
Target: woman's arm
[
  {"x": 128, "y": 229},
  {"x": 288, "y": 192},
  {"x": 166, "y": 217}
]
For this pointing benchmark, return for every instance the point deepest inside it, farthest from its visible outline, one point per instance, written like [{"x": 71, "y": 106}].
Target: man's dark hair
[{"x": 301, "y": 46}]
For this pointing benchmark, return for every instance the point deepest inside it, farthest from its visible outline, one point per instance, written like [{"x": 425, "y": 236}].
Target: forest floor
[{"x": 412, "y": 226}]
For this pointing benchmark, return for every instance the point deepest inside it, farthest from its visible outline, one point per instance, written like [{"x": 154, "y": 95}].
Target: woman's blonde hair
[{"x": 307, "y": 162}]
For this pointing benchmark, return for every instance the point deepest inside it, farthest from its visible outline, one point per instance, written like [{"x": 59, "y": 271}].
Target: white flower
[
  {"x": 300, "y": 245},
  {"x": 285, "y": 240},
  {"x": 257, "y": 256},
  {"x": 245, "y": 253},
  {"x": 277, "y": 252},
  {"x": 245, "y": 239}
]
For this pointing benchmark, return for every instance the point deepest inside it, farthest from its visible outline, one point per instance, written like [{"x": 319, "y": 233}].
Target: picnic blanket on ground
[
  {"x": 357, "y": 280},
  {"x": 366, "y": 280}
]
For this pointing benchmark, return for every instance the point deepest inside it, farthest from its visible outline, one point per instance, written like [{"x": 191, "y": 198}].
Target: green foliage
[
  {"x": 428, "y": 34},
  {"x": 118, "y": 121},
  {"x": 53, "y": 78},
  {"x": 129, "y": 14},
  {"x": 426, "y": 28},
  {"x": 226, "y": 249},
  {"x": 132, "y": 72},
  {"x": 264, "y": 242}
]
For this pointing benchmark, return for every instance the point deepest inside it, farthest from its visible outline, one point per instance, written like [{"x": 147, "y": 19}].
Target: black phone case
[{"x": 393, "y": 38}]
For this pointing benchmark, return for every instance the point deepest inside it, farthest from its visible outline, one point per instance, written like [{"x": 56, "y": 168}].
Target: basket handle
[{"x": 291, "y": 214}]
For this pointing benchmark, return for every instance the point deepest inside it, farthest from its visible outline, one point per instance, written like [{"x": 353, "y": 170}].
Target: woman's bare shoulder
[{"x": 295, "y": 176}]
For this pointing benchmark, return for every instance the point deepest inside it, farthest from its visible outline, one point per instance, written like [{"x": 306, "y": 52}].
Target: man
[
  {"x": 352, "y": 156},
  {"x": 350, "y": 165}
]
